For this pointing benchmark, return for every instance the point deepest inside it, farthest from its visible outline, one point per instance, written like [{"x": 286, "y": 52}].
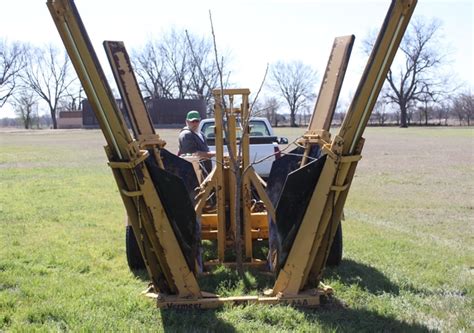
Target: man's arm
[{"x": 204, "y": 154}]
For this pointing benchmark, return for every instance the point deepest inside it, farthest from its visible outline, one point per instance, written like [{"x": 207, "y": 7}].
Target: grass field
[{"x": 408, "y": 261}]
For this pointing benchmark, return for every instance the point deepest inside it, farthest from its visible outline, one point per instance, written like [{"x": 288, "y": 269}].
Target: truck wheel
[
  {"x": 134, "y": 256},
  {"x": 335, "y": 253}
]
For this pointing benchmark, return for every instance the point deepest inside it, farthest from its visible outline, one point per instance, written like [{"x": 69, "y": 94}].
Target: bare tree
[
  {"x": 271, "y": 106},
  {"x": 418, "y": 78},
  {"x": 380, "y": 114},
  {"x": 463, "y": 107},
  {"x": 295, "y": 81},
  {"x": 12, "y": 61},
  {"x": 174, "y": 49},
  {"x": 72, "y": 98},
  {"x": 457, "y": 110},
  {"x": 154, "y": 76},
  {"x": 431, "y": 96},
  {"x": 48, "y": 74},
  {"x": 425, "y": 110},
  {"x": 268, "y": 107},
  {"x": 396, "y": 116},
  {"x": 179, "y": 65},
  {"x": 468, "y": 102},
  {"x": 25, "y": 105},
  {"x": 203, "y": 68},
  {"x": 442, "y": 112}
]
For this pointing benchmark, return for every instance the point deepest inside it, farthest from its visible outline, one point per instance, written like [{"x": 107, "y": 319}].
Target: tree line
[{"x": 182, "y": 65}]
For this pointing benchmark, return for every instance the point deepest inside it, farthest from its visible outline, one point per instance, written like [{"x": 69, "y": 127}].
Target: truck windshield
[{"x": 257, "y": 128}]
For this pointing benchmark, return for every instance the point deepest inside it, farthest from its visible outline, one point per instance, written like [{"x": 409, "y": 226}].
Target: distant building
[
  {"x": 89, "y": 119},
  {"x": 163, "y": 112},
  {"x": 70, "y": 119}
]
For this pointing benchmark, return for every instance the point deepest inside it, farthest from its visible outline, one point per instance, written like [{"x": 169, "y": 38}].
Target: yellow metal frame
[
  {"x": 164, "y": 258},
  {"x": 258, "y": 222},
  {"x": 307, "y": 257},
  {"x": 307, "y": 299},
  {"x": 222, "y": 180},
  {"x": 175, "y": 282},
  {"x": 318, "y": 127}
]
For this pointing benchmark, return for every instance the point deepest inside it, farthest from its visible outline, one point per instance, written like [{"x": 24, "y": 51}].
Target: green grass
[{"x": 408, "y": 241}]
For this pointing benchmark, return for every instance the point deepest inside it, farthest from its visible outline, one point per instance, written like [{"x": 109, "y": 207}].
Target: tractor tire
[
  {"x": 335, "y": 253},
  {"x": 134, "y": 256}
]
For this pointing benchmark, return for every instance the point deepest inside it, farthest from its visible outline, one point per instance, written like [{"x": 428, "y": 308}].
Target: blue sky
[{"x": 257, "y": 32}]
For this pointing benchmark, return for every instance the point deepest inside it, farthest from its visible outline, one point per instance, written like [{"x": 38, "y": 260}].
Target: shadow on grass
[
  {"x": 327, "y": 318},
  {"x": 375, "y": 282},
  {"x": 367, "y": 277},
  {"x": 226, "y": 283},
  {"x": 194, "y": 321},
  {"x": 335, "y": 316},
  {"x": 332, "y": 316}
]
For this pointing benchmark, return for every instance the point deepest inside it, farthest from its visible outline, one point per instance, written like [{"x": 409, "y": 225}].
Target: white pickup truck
[{"x": 263, "y": 142}]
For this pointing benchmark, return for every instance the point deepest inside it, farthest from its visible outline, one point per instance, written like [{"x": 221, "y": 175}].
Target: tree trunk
[
  {"x": 53, "y": 118},
  {"x": 238, "y": 221},
  {"x": 27, "y": 122},
  {"x": 292, "y": 119},
  {"x": 403, "y": 116}
]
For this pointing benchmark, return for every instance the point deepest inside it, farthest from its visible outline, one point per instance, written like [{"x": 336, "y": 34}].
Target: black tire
[
  {"x": 134, "y": 256},
  {"x": 335, "y": 253}
]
